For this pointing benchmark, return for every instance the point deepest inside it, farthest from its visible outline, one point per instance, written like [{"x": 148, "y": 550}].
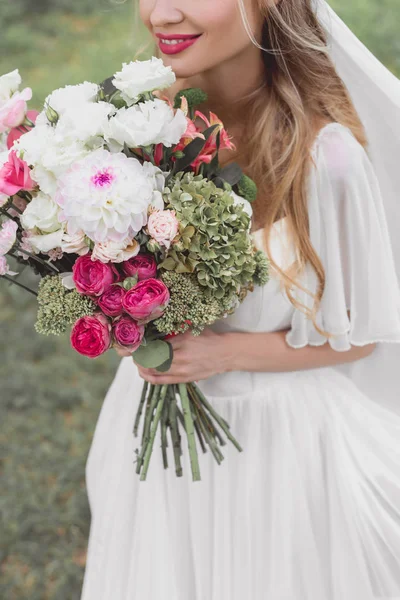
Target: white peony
[
  {"x": 115, "y": 252},
  {"x": 41, "y": 212},
  {"x": 141, "y": 76},
  {"x": 150, "y": 122},
  {"x": 9, "y": 83},
  {"x": 63, "y": 99},
  {"x": 106, "y": 196}
]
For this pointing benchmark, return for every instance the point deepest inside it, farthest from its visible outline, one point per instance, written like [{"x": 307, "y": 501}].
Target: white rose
[
  {"x": 63, "y": 99},
  {"x": 115, "y": 252},
  {"x": 9, "y": 83},
  {"x": 150, "y": 122},
  {"x": 42, "y": 213},
  {"x": 74, "y": 243},
  {"x": 142, "y": 76}
]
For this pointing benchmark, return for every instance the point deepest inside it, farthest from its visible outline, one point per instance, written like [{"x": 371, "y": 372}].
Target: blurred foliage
[{"x": 51, "y": 396}]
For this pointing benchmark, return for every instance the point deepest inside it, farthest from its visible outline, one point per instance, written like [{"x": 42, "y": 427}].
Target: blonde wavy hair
[{"x": 301, "y": 90}]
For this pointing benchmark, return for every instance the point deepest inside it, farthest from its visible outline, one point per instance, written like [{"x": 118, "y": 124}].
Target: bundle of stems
[{"x": 171, "y": 407}]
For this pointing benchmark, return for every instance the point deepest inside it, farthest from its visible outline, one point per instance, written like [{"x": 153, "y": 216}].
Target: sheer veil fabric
[{"x": 375, "y": 92}]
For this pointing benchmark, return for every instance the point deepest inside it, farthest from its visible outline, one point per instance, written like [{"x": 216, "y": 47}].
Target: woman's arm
[{"x": 210, "y": 353}]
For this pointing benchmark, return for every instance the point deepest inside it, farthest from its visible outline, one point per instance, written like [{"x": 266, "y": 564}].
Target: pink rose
[
  {"x": 8, "y": 235},
  {"x": 15, "y": 175},
  {"x": 128, "y": 334},
  {"x": 142, "y": 265},
  {"x": 111, "y": 301},
  {"x": 13, "y": 112},
  {"x": 91, "y": 335},
  {"x": 163, "y": 226},
  {"x": 92, "y": 277},
  {"x": 15, "y": 133},
  {"x": 146, "y": 300}
]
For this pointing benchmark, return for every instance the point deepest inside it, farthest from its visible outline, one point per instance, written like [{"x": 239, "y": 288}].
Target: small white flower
[
  {"x": 106, "y": 196},
  {"x": 62, "y": 99},
  {"x": 41, "y": 212},
  {"x": 115, "y": 252},
  {"x": 141, "y": 76},
  {"x": 150, "y": 122},
  {"x": 8, "y": 236}
]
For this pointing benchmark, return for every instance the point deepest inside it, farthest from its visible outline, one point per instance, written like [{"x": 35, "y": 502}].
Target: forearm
[{"x": 270, "y": 352}]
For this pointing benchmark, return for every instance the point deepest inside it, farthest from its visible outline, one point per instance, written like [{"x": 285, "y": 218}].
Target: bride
[{"x": 307, "y": 370}]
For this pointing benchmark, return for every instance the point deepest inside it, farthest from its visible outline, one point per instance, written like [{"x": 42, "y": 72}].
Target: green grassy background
[{"x": 51, "y": 396}]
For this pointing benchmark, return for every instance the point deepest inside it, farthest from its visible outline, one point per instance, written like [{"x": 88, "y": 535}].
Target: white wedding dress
[{"x": 310, "y": 510}]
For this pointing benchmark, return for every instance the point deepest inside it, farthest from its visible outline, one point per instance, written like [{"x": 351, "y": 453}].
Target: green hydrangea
[
  {"x": 188, "y": 303},
  {"x": 59, "y": 307},
  {"x": 215, "y": 242},
  {"x": 262, "y": 272}
]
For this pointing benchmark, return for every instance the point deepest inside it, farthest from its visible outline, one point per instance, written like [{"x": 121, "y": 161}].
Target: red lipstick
[{"x": 183, "y": 41}]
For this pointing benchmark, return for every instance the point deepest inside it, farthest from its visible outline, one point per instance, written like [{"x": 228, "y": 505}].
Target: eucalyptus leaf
[
  {"x": 232, "y": 173},
  {"x": 153, "y": 355}
]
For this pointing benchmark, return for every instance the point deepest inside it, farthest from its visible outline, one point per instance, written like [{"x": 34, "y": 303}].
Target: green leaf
[
  {"x": 130, "y": 282},
  {"x": 153, "y": 355}
]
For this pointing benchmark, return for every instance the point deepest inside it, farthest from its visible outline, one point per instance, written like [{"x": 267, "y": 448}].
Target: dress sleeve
[{"x": 348, "y": 230}]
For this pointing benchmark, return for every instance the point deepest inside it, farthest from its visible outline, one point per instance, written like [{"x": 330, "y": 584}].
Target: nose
[{"x": 165, "y": 12}]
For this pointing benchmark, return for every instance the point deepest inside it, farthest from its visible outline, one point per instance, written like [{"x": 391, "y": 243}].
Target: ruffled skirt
[{"x": 310, "y": 510}]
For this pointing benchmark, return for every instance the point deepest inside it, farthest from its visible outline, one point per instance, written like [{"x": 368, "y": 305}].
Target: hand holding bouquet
[{"x": 117, "y": 199}]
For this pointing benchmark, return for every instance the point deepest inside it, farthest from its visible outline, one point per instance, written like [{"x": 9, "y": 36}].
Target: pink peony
[
  {"x": 142, "y": 265},
  {"x": 12, "y": 113},
  {"x": 15, "y": 133},
  {"x": 128, "y": 334},
  {"x": 91, "y": 335},
  {"x": 147, "y": 300},
  {"x": 8, "y": 235},
  {"x": 15, "y": 175},
  {"x": 111, "y": 301},
  {"x": 163, "y": 226},
  {"x": 92, "y": 277}
]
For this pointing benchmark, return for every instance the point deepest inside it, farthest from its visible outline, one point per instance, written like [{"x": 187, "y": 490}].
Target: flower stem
[
  {"x": 146, "y": 430},
  {"x": 223, "y": 424},
  {"x": 156, "y": 420},
  {"x": 187, "y": 413},
  {"x": 176, "y": 442},
  {"x": 21, "y": 285},
  {"x": 140, "y": 408}
]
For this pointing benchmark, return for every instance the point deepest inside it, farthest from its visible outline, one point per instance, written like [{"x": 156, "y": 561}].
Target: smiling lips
[{"x": 173, "y": 44}]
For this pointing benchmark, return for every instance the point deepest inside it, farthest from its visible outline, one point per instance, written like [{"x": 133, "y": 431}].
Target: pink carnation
[
  {"x": 4, "y": 268},
  {"x": 163, "y": 226}
]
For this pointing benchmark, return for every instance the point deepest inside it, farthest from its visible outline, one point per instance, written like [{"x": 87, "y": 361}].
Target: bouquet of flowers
[{"x": 116, "y": 198}]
